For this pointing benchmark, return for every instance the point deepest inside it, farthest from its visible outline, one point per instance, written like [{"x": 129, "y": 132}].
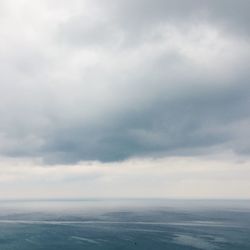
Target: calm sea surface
[{"x": 125, "y": 224}]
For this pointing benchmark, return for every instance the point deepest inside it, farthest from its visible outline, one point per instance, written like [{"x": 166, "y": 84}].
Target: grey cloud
[
  {"x": 143, "y": 14},
  {"x": 76, "y": 93},
  {"x": 187, "y": 126},
  {"x": 131, "y": 22}
]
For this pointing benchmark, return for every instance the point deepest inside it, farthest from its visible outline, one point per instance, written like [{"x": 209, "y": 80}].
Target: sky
[{"x": 124, "y": 98}]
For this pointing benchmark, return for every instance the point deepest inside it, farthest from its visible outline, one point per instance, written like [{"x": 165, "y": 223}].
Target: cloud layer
[
  {"x": 171, "y": 177},
  {"x": 110, "y": 80}
]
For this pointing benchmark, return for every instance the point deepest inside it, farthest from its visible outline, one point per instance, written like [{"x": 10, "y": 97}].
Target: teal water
[{"x": 125, "y": 224}]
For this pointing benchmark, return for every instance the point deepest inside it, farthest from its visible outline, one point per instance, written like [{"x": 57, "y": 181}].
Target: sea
[{"x": 120, "y": 224}]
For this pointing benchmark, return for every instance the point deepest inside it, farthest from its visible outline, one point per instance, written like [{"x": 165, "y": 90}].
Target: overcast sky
[{"x": 124, "y": 98}]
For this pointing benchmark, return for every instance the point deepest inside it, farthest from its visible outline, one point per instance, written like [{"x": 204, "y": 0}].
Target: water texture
[{"x": 125, "y": 224}]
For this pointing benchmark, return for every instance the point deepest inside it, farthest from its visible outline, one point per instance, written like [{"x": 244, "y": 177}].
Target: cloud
[
  {"x": 112, "y": 80},
  {"x": 140, "y": 16},
  {"x": 171, "y": 177}
]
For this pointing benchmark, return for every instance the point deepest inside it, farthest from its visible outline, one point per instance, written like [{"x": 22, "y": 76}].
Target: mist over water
[{"x": 125, "y": 224}]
